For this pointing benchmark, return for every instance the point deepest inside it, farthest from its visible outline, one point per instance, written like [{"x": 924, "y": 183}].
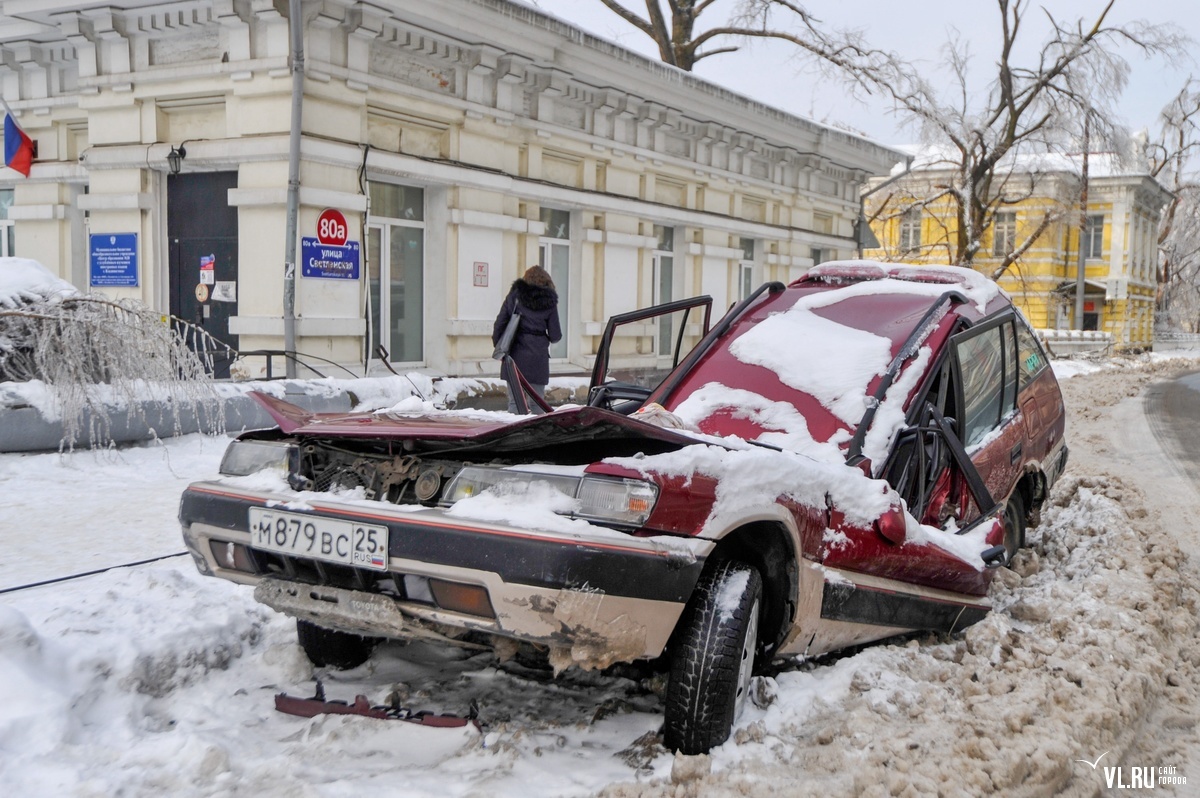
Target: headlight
[
  {"x": 249, "y": 457},
  {"x": 625, "y": 501},
  {"x": 607, "y": 499},
  {"x": 474, "y": 480}
]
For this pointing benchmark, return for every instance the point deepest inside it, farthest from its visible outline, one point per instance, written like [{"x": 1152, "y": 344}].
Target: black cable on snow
[{"x": 90, "y": 573}]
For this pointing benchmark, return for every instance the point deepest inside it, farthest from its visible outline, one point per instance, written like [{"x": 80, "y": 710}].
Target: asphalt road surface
[{"x": 1173, "y": 412}]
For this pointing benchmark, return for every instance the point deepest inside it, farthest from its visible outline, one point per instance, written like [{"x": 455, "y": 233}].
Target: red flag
[{"x": 18, "y": 147}]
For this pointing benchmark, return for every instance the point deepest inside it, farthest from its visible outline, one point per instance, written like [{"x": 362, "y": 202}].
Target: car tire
[
  {"x": 1014, "y": 526},
  {"x": 328, "y": 648},
  {"x": 712, "y": 658}
]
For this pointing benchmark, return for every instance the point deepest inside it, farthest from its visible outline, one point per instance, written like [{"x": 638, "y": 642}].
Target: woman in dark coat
[{"x": 534, "y": 297}]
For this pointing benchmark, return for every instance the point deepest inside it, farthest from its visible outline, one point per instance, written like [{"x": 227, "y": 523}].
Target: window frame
[
  {"x": 554, "y": 255},
  {"x": 749, "y": 248},
  {"x": 1006, "y": 362},
  {"x": 1025, "y": 330},
  {"x": 1004, "y": 232},
  {"x": 1092, "y": 242},
  {"x": 7, "y": 226},
  {"x": 910, "y": 230},
  {"x": 663, "y": 283},
  {"x": 384, "y": 226}
]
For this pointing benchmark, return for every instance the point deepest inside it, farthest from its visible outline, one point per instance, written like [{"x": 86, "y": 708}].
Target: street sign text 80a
[{"x": 331, "y": 228}]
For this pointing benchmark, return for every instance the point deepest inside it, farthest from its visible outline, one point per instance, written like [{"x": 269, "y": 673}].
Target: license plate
[{"x": 345, "y": 542}]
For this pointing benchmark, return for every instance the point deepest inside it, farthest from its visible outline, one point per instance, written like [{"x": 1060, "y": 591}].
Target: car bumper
[{"x": 593, "y": 598}]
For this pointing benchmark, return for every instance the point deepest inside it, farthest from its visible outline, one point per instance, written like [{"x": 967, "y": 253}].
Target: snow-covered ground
[{"x": 152, "y": 680}]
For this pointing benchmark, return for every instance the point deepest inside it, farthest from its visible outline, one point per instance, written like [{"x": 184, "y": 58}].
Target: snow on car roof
[
  {"x": 874, "y": 277},
  {"x": 23, "y": 280}
]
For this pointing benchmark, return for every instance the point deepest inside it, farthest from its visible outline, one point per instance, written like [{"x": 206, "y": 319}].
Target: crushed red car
[{"x": 835, "y": 461}]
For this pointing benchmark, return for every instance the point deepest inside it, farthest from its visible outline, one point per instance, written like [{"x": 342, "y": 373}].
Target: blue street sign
[
  {"x": 326, "y": 260},
  {"x": 112, "y": 260}
]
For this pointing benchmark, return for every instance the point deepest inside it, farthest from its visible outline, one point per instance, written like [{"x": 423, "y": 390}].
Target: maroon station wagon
[{"x": 835, "y": 461}]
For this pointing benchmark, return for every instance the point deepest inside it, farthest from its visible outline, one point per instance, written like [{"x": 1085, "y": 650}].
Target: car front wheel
[
  {"x": 1014, "y": 526},
  {"x": 712, "y": 658},
  {"x": 333, "y": 649}
]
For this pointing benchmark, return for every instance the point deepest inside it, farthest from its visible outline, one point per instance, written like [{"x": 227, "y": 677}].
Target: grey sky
[{"x": 917, "y": 30}]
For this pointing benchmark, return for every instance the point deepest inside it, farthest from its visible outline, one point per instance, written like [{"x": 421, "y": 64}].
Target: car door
[
  {"x": 1039, "y": 397},
  {"x": 640, "y": 348},
  {"x": 990, "y": 423}
]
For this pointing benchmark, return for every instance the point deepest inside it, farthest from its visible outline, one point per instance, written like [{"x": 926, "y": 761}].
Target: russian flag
[{"x": 18, "y": 147}]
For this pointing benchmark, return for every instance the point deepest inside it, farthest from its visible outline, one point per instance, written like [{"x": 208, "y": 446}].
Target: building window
[
  {"x": 7, "y": 232},
  {"x": 1093, "y": 236},
  {"x": 822, "y": 223},
  {"x": 819, "y": 255},
  {"x": 664, "y": 279},
  {"x": 746, "y": 268},
  {"x": 910, "y": 230},
  {"x": 396, "y": 271},
  {"x": 554, "y": 255},
  {"x": 1004, "y": 233}
]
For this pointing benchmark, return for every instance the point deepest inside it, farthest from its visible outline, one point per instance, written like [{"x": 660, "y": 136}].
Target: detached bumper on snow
[{"x": 593, "y": 599}]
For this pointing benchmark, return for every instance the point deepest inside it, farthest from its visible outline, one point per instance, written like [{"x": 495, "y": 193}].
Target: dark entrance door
[{"x": 202, "y": 232}]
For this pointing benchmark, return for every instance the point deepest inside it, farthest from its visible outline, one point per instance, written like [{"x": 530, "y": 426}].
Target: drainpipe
[{"x": 296, "y": 25}]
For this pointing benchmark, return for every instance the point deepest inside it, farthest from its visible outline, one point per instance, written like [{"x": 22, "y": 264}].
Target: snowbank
[
  {"x": 157, "y": 681},
  {"x": 23, "y": 280},
  {"x": 1083, "y": 643}
]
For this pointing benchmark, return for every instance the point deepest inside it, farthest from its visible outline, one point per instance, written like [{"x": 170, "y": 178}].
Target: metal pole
[
  {"x": 1081, "y": 271},
  {"x": 296, "y": 24}
]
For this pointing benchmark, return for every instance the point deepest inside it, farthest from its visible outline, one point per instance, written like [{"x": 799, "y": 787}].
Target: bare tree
[
  {"x": 974, "y": 147},
  {"x": 977, "y": 147},
  {"x": 1179, "y": 229},
  {"x": 681, "y": 44},
  {"x": 106, "y": 362}
]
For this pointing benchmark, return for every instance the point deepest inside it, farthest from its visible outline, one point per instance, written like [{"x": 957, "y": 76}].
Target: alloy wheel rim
[{"x": 746, "y": 665}]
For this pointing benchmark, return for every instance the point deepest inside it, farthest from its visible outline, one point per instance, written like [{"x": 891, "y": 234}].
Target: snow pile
[
  {"x": 1084, "y": 641},
  {"x": 24, "y": 281},
  {"x": 157, "y": 681},
  {"x": 68, "y": 706}
]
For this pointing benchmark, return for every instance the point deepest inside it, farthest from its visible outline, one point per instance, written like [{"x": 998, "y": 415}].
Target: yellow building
[{"x": 1119, "y": 243}]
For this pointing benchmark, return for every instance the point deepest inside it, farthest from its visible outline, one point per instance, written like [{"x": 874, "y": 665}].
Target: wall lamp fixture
[{"x": 175, "y": 159}]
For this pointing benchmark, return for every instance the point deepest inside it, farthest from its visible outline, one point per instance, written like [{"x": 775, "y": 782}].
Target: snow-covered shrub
[{"x": 99, "y": 357}]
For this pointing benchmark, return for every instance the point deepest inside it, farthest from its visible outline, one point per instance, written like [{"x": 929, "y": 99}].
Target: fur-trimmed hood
[{"x": 534, "y": 297}]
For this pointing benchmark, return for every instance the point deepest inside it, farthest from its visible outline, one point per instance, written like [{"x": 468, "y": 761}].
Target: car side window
[
  {"x": 987, "y": 363},
  {"x": 1032, "y": 357},
  {"x": 1009, "y": 340}
]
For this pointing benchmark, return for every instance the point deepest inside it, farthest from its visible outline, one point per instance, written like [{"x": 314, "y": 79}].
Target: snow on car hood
[
  {"x": 747, "y": 480},
  {"x": 750, "y": 479}
]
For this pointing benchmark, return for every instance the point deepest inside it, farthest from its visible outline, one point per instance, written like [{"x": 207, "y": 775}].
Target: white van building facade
[{"x": 445, "y": 147}]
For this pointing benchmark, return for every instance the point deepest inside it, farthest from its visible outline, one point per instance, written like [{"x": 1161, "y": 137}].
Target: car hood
[{"x": 563, "y": 426}]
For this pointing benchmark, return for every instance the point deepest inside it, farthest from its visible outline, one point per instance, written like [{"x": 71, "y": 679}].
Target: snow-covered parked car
[{"x": 835, "y": 461}]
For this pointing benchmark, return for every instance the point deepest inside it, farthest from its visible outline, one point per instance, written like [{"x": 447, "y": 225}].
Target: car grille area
[
  {"x": 239, "y": 557},
  {"x": 400, "y": 479}
]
